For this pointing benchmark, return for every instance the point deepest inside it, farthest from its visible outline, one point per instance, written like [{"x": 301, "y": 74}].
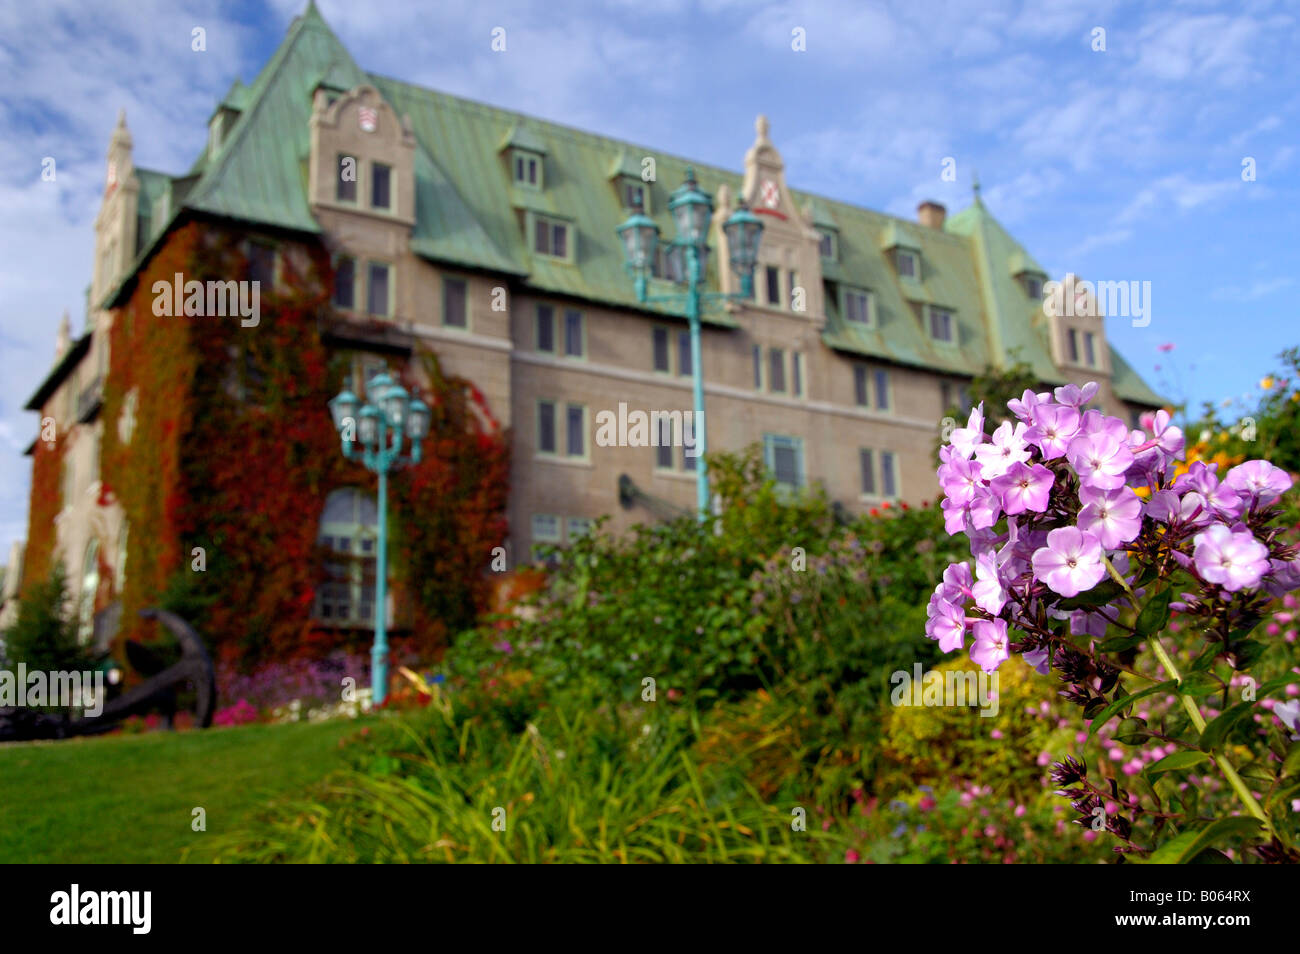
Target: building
[{"x": 489, "y": 237}]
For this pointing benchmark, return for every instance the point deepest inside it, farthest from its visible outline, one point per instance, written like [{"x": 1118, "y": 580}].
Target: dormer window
[
  {"x": 942, "y": 325},
  {"x": 551, "y": 237},
  {"x": 828, "y": 244},
  {"x": 1034, "y": 287},
  {"x": 908, "y": 264},
  {"x": 528, "y": 169},
  {"x": 633, "y": 194},
  {"x": 858, "y": 306}
]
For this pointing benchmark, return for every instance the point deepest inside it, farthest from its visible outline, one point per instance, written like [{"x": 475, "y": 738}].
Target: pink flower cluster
[{"x": 1064, "y": 476}]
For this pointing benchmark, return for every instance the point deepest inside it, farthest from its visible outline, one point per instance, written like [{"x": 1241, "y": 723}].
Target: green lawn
[{"x": 129, "y": 798}]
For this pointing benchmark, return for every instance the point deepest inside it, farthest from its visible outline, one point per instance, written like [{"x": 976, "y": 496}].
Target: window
[
  {"x": 795, "y": 304},
  {"x": 867, "y": 465},
  {"x": 349, "y": 533},
  {"x": 882, "y": 390},
  {"x": 1034, "y": 287},
  {"x": 546, "y": 443},
  {"x": 945, "y": 397},
  {"x": 773, "y": 285},
  {"x": 688, "y": 444},
  {"x": 888, "y": 473},
  {"x": 545, "y": 328},
  {"x": 346, "y": 188},
  {"x": 860, "y": 386},
  {"x": 940, "y": 324},
  {"x": 1090, "y": 349},
  {"x": 784, "y": 459},
  {"x": 551, "y": 238},
  {"x": 573, "y": 344},
  {"x": 667, "y": 263},
  {"x": 661, "y": 358},
  {"x": 1073, "y": 342},
  {"x": 577, "y": 527},
  {"x": 261, "y": 264},
  {"x": 576, "y": 416},
  {"x": 826, "y": 244},
  {"x": 684, "y": 364},
  {"x": 528, "y": 168},
  {"x": 796, "y": 366},
  {"x": 758, "y": 368},
  {"x": 381, "y": 186},
  {"x": 377, "y": 289},
  {"x": 776, "y": 370},
  {"x": 664, "y": 450},
  {"x": 546, "y": 530},
  {"x": 633, "y": 195},
  {"x": 345, "y": 284},
  {"x": 906, "y": 263},
  {"x": 857, "y": 305},
  {"x": 454, "y": 312},
  {"x": 879, "y": 473}
]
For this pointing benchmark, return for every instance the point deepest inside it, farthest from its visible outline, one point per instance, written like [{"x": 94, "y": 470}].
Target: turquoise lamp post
[
  {"x": 692, "y": 211},
  {"x": 373, "y": 434}
]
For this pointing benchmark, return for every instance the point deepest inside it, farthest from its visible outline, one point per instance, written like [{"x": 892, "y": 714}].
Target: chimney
[{"x": 931, "y": 214}]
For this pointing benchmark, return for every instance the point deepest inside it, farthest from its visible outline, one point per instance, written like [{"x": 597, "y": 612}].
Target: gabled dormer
[
  {"x": 362, "y": 155},
  {"x": 525, "y": 156},
  {"x": 225, "y": 116},
  {"x": 1077, "y": 326},
  {"x": 828, "y": 231},
  {"x": 903, "y": 251},
  {"x": 1029, "y": 275},
  {"x": 625, "y": 176}
]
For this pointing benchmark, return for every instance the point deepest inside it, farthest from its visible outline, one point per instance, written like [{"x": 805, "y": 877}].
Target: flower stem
[{"x": 1198, "y": 720}]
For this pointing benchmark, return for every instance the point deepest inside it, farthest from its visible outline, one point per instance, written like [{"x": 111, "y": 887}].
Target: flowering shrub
[{"x": 1078, "y": 574}]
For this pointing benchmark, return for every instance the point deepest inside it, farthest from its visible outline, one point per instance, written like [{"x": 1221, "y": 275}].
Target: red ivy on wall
[
  {"x": 46, "y": 502},
  {"x": 234, "y": 452}
]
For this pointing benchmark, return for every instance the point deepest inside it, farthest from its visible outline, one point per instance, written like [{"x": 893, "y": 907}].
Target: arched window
[
  {"x": 349, "y": 531},
  {"x": 89, "y": 587}
]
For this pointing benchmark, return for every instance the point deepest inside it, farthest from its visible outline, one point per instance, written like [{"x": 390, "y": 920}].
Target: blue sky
[{"x": 1122, "y": 164}]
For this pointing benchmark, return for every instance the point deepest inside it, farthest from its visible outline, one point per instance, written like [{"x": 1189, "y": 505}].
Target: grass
[{"x": 129, "y": 798}]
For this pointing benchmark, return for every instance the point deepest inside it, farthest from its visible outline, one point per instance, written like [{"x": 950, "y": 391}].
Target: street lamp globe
[
  {"x": 692, "y": 211},
  {"x": 377, "y": 387},
  {"x": 394, "y": 403},
  {"x": 417, "y": 421},
  {"x": 343, "y": 407},
  {"x": 744, "y": 230},
  {"x": 640, "y": 236},
  {"x": 368, "y": 426}
]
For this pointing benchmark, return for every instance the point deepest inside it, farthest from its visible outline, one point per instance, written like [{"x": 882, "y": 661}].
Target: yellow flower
[{"x": 1266, "y": 382}]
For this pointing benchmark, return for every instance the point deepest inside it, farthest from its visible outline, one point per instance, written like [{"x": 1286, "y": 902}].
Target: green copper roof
[{"x": 469, "y": 212}]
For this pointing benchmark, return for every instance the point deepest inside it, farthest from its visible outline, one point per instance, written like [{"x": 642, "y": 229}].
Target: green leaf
[
  {"x": 1118, "y": 644},
  {"x": 1173, "y": 763},
  {"x": 1291, "y": 764},
  {"x": 1199, "y": 684},
  {"x": 1155, "y": 615},
  {"x": 1132, "y": 731},
  {"x": 1213, "y": 737},
  {"x": 1206, "y": 659},
  {"x": 1104, "y": 715},
  {"x": 1185, "y": 847}
]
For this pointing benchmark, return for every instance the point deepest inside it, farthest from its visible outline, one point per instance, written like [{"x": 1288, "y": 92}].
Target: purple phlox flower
[
  {"x": 1147, "y": 420},
  {"x": 1038, "y": 659},
  {"x": 1023, "y": 488},
  {"x": 1093, "y": 421},
  {"x": 965, "y": 439},
  {"x": 990, "y": 648},
  {"x": 959, "y": 479},
  {"x": 947, "y": 625},
  {"x": 1233, "y": 559},
  {"x": 1201, "y": 478},
  {"x": 958, "y": 577},
  {"x": 1283, "y": 577},
  {"x": 1007, "y": 447},
  {"x": 1115, "y": 516},
  {"x": 1100, "y": 459},
  {"x": 1165, "y": 506},
  {"x": 989, "y": 593},
  {"x": 1026, "y": 406},
  {"x": 985, "y": 509},
  {"x": 1259, "y": 481},
  {"x": 1168, "y": 438},
  {"x": 1071, "y": 562},
  {"x": 1075, "y": 396},
  {"x": 1055, "y": 425},
  {"x": 1083, "y": 623},
  {"x": 1289, "y": 713}
]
